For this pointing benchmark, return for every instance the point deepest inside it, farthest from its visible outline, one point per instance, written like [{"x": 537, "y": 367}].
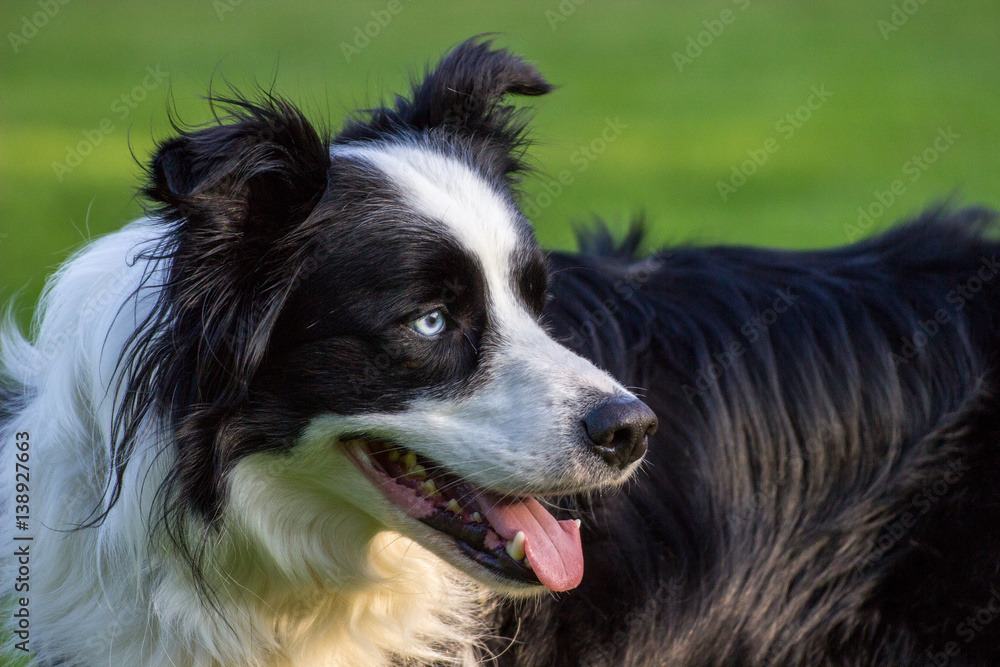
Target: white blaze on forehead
[
  {"x": 525, "y": 421},
  {"x": 444, "y": 189}
]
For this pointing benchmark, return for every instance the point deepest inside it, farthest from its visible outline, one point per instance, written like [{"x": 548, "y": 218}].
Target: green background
[{"x": 683, "y": 130}]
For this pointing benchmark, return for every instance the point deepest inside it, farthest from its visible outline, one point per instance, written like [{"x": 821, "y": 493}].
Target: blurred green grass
[{"x": 683, "y": 131}]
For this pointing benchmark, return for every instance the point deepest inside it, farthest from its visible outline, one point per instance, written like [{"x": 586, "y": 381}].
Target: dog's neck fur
[
  {"x": 407, "y": 607},
  {"x": 113, "y": 596},
  {"x": 274, "y": 577}
]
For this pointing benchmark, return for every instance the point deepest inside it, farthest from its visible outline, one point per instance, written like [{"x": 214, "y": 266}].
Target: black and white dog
[{"x": 330, "y": 404}]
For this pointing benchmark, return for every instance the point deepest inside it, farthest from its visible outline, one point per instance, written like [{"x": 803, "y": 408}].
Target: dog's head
[{"x": 351, "y": 335}]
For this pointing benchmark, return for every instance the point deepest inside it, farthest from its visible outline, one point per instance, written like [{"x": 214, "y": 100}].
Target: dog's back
[{"x": 824, "y": 485}]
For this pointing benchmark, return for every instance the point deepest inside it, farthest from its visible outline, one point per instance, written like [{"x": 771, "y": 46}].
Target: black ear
[
  {"x": 234, "y": 199},
  {"x": 465, "y": 95},
  {"x": 250, "y": 175},
  {"x": 232, "y": 193}
]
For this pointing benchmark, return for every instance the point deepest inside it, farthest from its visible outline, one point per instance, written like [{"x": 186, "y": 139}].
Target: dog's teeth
[
  {"x": 394, "y": 455},
  {"x": 409, "y": 460},
  {"x": 454, "y": 507},
  {"x": 477, "y": 517},
  {"x": 430, "y": 488},
  {"x": 515, "y": 547},
  {"x": 417, "y": 471},
  {"x": 577, "y": 522}
]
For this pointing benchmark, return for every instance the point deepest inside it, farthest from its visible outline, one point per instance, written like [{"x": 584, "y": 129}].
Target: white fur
[
  {"x": 304, "y": 578},
  {"x": 520, "y": 430},
  {"x": 311, "y": 565}
]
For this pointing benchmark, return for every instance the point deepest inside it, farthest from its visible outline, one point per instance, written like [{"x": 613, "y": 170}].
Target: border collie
[{"x": 330, "y": 404}]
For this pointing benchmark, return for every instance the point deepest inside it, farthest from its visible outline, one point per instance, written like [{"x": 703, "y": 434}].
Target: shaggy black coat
[{"x": 824, "y": 487}]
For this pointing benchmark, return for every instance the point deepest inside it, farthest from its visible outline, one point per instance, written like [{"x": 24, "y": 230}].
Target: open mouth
[{"x": 514, "y": 538}]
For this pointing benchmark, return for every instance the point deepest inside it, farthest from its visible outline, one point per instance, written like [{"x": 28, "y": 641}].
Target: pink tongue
[{"x": 553, "y": 547}]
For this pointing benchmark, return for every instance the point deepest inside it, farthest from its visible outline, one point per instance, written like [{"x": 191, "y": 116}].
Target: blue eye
[{"x": 429, "y": 324}]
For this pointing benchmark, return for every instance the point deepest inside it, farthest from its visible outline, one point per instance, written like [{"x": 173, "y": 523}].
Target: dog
[{"x": 329, "y": 403}]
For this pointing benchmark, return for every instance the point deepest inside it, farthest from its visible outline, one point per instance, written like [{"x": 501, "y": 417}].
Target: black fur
[
  {"x": 810, "y": 403},
  {"x": 260, "y": 276},
  {"x": 463, "y": 101},
  {"x": 233, "y": 195},
  {"x": 824, "y": 487}
]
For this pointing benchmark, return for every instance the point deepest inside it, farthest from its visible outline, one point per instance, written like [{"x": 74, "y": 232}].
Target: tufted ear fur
[
  {"x": 464, "y": 96},
  {"x": 233, "y": 195},
  {"x": 243, "y": 181}
]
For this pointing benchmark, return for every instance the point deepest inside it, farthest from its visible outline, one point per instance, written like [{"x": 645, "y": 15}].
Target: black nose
[{"x": 618, "y": 429}]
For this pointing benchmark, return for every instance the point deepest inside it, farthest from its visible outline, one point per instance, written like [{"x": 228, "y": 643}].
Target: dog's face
[{"x": 381, "y": 349}]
